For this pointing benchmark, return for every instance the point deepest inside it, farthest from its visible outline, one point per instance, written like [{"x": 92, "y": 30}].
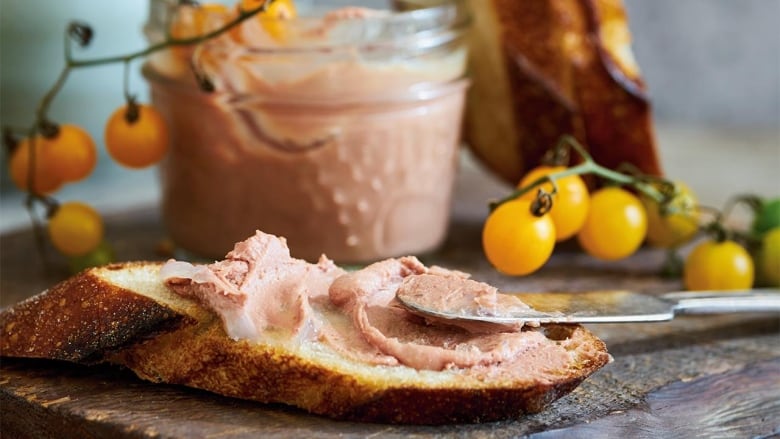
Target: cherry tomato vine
[
  {"x": 47, "y": 155},
  {"x": 612, "y": 222}
]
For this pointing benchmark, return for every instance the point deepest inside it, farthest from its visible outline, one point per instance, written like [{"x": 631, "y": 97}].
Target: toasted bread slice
[
  {"x": 123, "y": 314},
  {"x": 543, "y": 69}
]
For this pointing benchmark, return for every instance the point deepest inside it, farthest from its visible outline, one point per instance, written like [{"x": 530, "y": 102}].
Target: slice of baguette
[
  {"x": 542, "y": 69},
  {"x": 123, "y": 314}
]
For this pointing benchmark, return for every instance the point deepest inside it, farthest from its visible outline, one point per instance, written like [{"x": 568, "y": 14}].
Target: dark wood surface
[{"x": 714, "y": 376}]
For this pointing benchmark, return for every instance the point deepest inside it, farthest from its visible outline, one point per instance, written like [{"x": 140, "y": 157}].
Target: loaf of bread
[
  {"x": 542, "y": 69},
  {"x": 164, "y": 327}
]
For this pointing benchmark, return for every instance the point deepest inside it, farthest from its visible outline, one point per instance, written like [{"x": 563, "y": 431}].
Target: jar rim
[{"x": 423, "y": 28}]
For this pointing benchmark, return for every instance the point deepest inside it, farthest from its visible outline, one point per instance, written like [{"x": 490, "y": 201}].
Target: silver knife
[{"x": 605, "y": 306}]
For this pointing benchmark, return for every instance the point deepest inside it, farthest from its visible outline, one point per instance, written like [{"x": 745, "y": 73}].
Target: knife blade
[{"x": 618, "y": 306}]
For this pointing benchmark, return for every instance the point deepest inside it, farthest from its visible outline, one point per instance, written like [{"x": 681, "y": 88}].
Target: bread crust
[
  {"x": 615, "y": 105},
  {"x": 266, "y": 374},
  {"x": 83, "y": 318},
  {"x": 186, "y": 345}
]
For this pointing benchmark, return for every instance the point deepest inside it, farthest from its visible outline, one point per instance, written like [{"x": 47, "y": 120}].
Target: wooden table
[{"x": 716, "y": 376}]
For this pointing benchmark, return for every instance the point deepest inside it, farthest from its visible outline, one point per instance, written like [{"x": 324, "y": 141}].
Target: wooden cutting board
[{"x": 696, "y": 376}]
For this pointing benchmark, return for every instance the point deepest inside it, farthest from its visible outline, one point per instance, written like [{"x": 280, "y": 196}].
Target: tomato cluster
[
  {"x": 611, "y": 223},
  {"x": 194, "y": 20},
  {"x": 135, "y": 136},
  {"x": 725, "y": 262}
]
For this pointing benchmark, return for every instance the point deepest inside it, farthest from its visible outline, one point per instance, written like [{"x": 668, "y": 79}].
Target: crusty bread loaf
[
  {"x": 123, "y": 314},
  {"x": 542, "y": 69}
]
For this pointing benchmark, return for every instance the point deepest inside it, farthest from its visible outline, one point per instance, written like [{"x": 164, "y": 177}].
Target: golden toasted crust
[
  {"x": 552, "y": 68},
  {"x": 613, "y": 97},
  {"x": 81, "y": 319},
  {"x": 264, "y": 373},
  {"x": 176, "y": 342}
]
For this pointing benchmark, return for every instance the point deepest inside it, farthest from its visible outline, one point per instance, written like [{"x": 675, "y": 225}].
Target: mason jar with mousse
[{"x": 337, "y": 129}]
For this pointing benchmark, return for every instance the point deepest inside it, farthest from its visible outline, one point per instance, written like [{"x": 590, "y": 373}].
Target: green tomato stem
[
  {"x": 43, "y": 106},
  {"x": 38, "y": 230},
  {"x": 126, "y": 81},
  {"x": 588, "y": 166},
  {"x": 71, "y": 63},
  {"x": 673, "y": 264},
  {"x": 242, "y": 16}
]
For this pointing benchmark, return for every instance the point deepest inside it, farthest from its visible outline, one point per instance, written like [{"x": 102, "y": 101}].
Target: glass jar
[{"x": 338, "y": 131}]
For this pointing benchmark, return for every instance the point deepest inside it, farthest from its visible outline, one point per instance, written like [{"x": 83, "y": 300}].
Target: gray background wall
[{"x": 710, "y": 61}]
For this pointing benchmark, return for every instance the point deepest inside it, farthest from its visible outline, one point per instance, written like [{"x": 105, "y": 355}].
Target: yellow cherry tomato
[
  {"x": 72, "y": 153},
  {"x": 769, "y": 259},
  {"x": 75, "y": 229},
  {"x": 718, "y": 266},
  {"x": 273, "y": 19},
  {"x": 46, "y": 180},
  {"x": 616, "y": 224},
  {"x": 515, "y": 241},
  {"x": 676, "y": 227},
  {"x": 570, "y": 203},
  {"x": 138, "y": 143}
]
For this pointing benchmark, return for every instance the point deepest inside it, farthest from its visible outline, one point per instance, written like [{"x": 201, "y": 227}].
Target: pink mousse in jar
[{"x": 338, "y": 130}]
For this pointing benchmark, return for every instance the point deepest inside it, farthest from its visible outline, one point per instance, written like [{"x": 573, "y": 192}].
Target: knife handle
[{"x": 716, "y": 302}]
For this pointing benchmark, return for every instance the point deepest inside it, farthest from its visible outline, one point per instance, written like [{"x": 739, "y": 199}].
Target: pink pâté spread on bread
[
  {"x": 257, "y": 287},
  {"x": 260, "y": 291}
]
